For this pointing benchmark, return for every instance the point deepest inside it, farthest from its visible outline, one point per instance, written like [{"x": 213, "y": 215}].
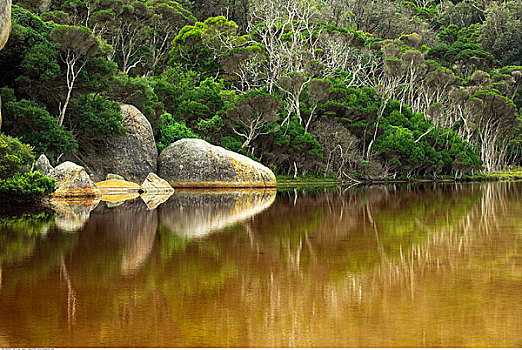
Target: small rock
[
  {"x": 155, "y": 184},
  {"x": 43, "y": 165},
  {"x": 114, "y": 177},
  {"x": 73, "y": 181}
]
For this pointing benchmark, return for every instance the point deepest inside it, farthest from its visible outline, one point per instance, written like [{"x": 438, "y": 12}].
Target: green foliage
[
  {"x": 412, "y": 145},
  {"x": 138, "y": 92},
  {"x": 98, "y": 116},
  {"x": 196, "y": 46},
  {"x": 231, "y": 143},
  {"x": 15, "y": 156},
  {"x": 464, "y": 52},
  {"x": 210, "y": 126},
  {"x": 27, "y": 184},
  {"x": 294, "y": 137},
  {"x": 170, "y": 85},
  {"x": 172, "y": 131},
  {"x": 15, "y": 159},
  {"x": 501, "y": 32},
  {"x": 34, "y": 125},
  {"x": 77, "y": 40}
]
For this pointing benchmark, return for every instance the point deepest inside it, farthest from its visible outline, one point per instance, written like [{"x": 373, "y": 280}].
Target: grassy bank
[{"x": 320, "y": 181}]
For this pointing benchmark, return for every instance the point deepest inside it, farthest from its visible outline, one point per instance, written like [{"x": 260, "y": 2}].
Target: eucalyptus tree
[
  {"x": 501, "y": 32},
  {"x": 123, "y": 26},
  {"x": 289, "y": 33},
  {"x": 254, "y": 114},
  {"x": 76, "y": 45},
  {"x": 496, "y": 122},
  {"x": 167, "y": 19},
  {"x": 198, "y": 46}
]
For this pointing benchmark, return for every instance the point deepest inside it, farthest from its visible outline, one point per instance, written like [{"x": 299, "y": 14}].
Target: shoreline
[
  {"x": 309, "y": 181},
  {"x": 284, "y": 181}
]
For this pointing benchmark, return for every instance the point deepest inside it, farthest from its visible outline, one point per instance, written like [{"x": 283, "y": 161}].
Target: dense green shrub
[
  {"x": 99, "y": 116},
  {"x": 27, "y": 184},
  {"x": 171, "y": 131},
  {"x": 34, "y": 125},
  {"x": 15, "y": 157}
]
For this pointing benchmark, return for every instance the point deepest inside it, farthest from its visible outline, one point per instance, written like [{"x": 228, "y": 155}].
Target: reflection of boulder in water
[
  {"x": 72, "y": 214},
  {"x": 130, "y": 226},
  {"x": 153, "y": 200},
  {"x": 115, "y": 200},
  {"x": 197, "y": 213}
]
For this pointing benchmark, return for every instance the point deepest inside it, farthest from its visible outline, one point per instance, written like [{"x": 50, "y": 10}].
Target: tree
[
  {"x": 292, "y": 86},
  {"x": 167, "y": 19},
  {"x": 124, "y": 26},
  {"x": 76, "y": 44},
  {"x": 197, "y": 47},
  {"x": 501, "y": 32},
  {"x": 496, "y": 121},
  {"x": 235, "y": 10},
  {"x": 253, "y": 115},
  {"x": 33, "y": 124},
  {"x": 289, "y": 33},
  {"x": 318, "y": 92}
]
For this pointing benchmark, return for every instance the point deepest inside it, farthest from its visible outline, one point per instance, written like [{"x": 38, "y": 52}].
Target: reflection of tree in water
[
  {"x": 417, "y": 238},
  {"x": 358, "y": 267},
  {"x": 32, "y": 248},
  {"x": 19, "y": 234}
]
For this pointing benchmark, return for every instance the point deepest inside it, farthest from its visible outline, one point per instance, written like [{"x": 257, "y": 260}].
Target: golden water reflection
[{"x": 366, "y": 267}]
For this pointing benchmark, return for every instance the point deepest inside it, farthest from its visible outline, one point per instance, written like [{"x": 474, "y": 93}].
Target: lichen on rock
[
  {"x": 197, "y": 163},
  {"x": 155, "y": 184},
  {"x": 73, "y": 181}
]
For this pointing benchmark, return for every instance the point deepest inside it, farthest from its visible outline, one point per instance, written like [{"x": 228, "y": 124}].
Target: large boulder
[
  {"x": 43, "y": 165},
  {"x": 133, "y": 155},
  {"x": 196, "y": 163},
  {"x": 73, "y": 181},
  {"x": 5, "y": 21}
]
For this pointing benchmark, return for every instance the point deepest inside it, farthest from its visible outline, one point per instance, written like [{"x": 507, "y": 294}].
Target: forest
[{"x": 349, "y": 89}]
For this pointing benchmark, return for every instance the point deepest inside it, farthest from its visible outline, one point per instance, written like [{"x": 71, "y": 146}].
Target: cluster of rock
[
  {"x": 73, "y": 181},
  {"x": 119, "y": 163}
]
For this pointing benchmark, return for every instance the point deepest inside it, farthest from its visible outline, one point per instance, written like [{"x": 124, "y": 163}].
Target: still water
[{"x": 414, "y": 266}]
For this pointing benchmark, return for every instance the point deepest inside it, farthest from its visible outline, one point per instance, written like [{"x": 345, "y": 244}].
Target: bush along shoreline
[{"x": 17, "y": 182}]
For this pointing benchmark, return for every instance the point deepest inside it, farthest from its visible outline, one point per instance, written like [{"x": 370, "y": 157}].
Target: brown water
[{"x": 411, "y": 266}]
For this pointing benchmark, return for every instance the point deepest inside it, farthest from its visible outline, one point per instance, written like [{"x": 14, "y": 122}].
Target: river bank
[{"x": 320, "y": 181}]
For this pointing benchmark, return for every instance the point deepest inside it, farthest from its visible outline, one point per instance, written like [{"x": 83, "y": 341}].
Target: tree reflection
[{"x": 371, "y": 266}]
